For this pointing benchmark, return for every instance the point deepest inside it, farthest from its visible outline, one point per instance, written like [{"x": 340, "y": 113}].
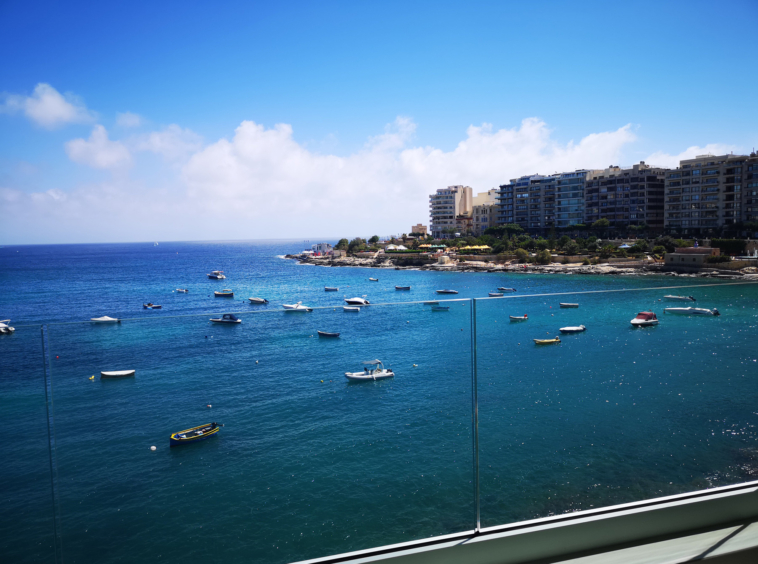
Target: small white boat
[
  {"x": 506, "y": 289},
  {"x": 692, "y": 311},
  {"x": 569, "y": 305},
  {"x": 105, "y": 319},
  {"x": 680, "y": 298},
  {"x": 257, "y": 301},
  {"x": 357, "y": 301},
  {"x": 518, "y": 317},
  {"x": 226, "y": 293},
  {"x": 6, "y": 329},
  {"x": 296, "y": 307},
  {"x": 227, "y": 318},
  {"x": 447, "y": 291},
  {"x": 330, "y": 289},
  {"x": 351, "y": 308},
  {"x": 496, "y": 294},
  {"x": 182, "y": 291},
  {"x": 118, "y": 374},
  {"x": 378, "y": 372},
  {"x": 645, "y": 319},
  {"x": 373, "y": 280},
  {"x": 217, "y": 275},
  {"x": 579, "y": 329}
]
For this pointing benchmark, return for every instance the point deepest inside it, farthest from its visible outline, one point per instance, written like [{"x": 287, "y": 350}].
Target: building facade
[
  {"x": 420, "y": 229},
  {"x": 445, "y": 206},
  {"x": 484, "y": 211},
  {"x": 626, "y": 196}
]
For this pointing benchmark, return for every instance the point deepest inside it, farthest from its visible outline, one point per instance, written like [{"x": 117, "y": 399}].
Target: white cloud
[
  {"x": 173, "y": 143},
  {"x": 47, "y": 107},
  {"x": 128, "y": 119},
  {"x": 660, "y": 158},
  {"x": 98, "y": 151}
]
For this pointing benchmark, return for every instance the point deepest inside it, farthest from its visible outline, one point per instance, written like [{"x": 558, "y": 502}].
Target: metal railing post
[
  {"x": 57, "y": 545},
  {"x": 475, "y": 415}
]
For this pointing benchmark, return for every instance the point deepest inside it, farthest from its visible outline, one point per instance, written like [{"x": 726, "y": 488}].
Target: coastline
[{"x": 606, "y": 269}]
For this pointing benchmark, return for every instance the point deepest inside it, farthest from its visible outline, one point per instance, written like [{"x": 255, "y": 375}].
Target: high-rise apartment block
[{"x": 447, "y": 204}]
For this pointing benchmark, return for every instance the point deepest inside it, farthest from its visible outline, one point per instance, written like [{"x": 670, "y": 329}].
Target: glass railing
[{"x": 478, "y": 425}]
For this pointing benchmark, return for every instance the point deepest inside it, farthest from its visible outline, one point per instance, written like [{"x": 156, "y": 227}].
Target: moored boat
[
  {"x": 357, "y": 301},
  {"x": 577, "y": 329},
  {"x": 117, "y": 374},
  {"x": 440, "y": 308},
  {"x": 507, "y": 289},
  {"x": 680, "y": 298},
  {"x": 568, "y": 305},
  {"x": 351, "y": 308},
  {"x": 151, "y": 305},
  {"x": 327, "y": 334},
  {"x": 105, "y": 319},
  {"x": 518, "y": 317},
  {"x": 330, "y": 289},
  {"x": 194, "y": 434},
  {"x": 496, "y": 294},
  {"x": 692, "y": 311},
  {"x": 217, "y": 275},
  {"x": 373, "y": 280},
  {"x": 227, "y": 318},
  {"x": 547, "y": 341},
  {"x": 645, "y": 319},
  {"x": 296, "y": 307},
  {"x": 226, "y": 293},
  {"x": 447, "y": 291},
  {"x": 257, "y": 301},
  {"x": 182, "y": 291},
  {"x": 431, "y": 303},
  {"x": 378, "y": 372},
  {"x": 402, "y": 287},
  {"x": 6, "y": 329}
]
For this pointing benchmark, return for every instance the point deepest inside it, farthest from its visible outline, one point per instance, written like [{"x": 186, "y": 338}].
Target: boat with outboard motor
[
  {"x": 692, "y": 311},
  {"x": 378, "y": 372},
  {"x": 217, "y": 275},
  {"x": 296, "y": 307},
  {"x": 680, "y": 298},
  {"x": 226, "y": 293},
  {"x": 257, "y": 301},
  {"x": 357, "y": 301},
  {"x": 226, "y": 318},
  {"x": 194, "y": 434},
  {"x": 6, "y": 329},
  {"x": 105, "y": 319},
  {"x": 645, "y": 319},
  {"x": 578, "y": 329}
]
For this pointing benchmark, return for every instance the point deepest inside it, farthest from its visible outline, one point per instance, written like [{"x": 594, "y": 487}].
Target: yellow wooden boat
[
  {"x": 547, "y": 341},
  {"x": 195, "y": 434}
]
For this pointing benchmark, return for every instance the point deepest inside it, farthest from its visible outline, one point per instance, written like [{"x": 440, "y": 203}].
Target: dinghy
[
  {"x": 182, "y": 291},
  {"x": 431, "y": 303},
  {"x": 402, "y": 287},
  {"x": 447, "y": 292},
  {"x": 680, "y": 298},
  {"x": 496, "y": 294},
  {"x": 547, "y": 341},
  {"x": 518, "y": 318},
  {"x": 105, "y": 319},
  {"x": 257, "y": 301},
  {"x": 227, "y": 293},
  {"x": 151, "y": 305},
  {"x": 507, "y": 289},
  {"x": 351, "y": 308},
  {"x": 440, "y": 308},
  {"x": 373, "y": 280},
  {"x": 569, "y": 305},
  {"x": 227, "y": 318},
  {"x": 117, "y": 374},
  {"x": 296, "y": 307},
  {"x": 194, "y": 435},
  {"x": 330, "y": 289},
  {"x": 579, "y": 329},
  {"x": 645, "y": 319},
  {"x": 692, "y": 311},
  {"x": 6, "y": 329},
  {"x": 327, "y": 334},
  {"x": 378, "y": 372},
  {"x": 357, "y": 301}
]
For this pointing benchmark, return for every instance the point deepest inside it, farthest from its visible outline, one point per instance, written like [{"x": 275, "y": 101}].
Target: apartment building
[
  {"x": 484, "y": 211},
  {"x": 446, "y": 205},
  {"x": 418, "y": 228},
  {"x": 706, "y": 193},
  {"x": 626, "y": 196}
]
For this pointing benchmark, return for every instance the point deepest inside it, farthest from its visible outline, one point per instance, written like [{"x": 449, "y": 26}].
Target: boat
[
  {"x": 373, "y": 280},
  {"x": 182, "y": 291},
  {"x": 547, "y": 341},
  {"x": 496, "y": 294},
  {"x": 447, "y": 292},
  {"x": 351, "y": 308},
  {"x": 194, "y": 435},
  {"x": 506, "y": 289},
  {"x": 431, "y": 303},
  {"x": 402, "y": 287},
  {"x": 330, "y": 289},
  {"x": 378, "y": 372},
  {"x": 296, "y": 307},
  {"x": 518, "y": 318},
  {"x": 150, "y": 305},
  {"x": 227, "y": 318},
  {"x": 226, "y": 293},
  {"x": 117, "y": 374},
  {"x": 579, "y": 329},
  {"x": 105, "y": 319},
  {"x": 327, "y": 334},
  {"x": 6, "y": 329},
  {"x": 680, "y": 298},
  {"x": 257, "y": 301},
  {"x": 217, "y": 275},
  {"x": 440, "y": 308},
  {"x": 692, "y": 311},
  {"x": 357, "y": 301},
  {"x": 569, "y": 305},
  {"x": 645, "y": 319}
]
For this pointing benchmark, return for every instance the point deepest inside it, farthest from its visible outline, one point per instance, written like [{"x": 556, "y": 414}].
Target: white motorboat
[
  {"x": 373, "y": 280},
  {"x": 579, "y": 329},
  {"x": 680, "y": 298},
  {"x": 569, "y": 305},
  {"x": 182, "y": 291},
  {"x": 496, "y": 294},
  {"x": 296, "y": 307},
  {"x": 692, "y": 311},
  {"x": 645, "y": 319},
  {"x": 227, "y": 318},
  {"x": 6, "y": 329},
  {"x": 351, "y": 308},
  {"x": 105, "y": 319},
  {"x": 357, "y": 301},
  {"x": 118, "y": 374},
  {"x": 377, "y": 372},
  {"x": 518, "y": 318},
  {"x": 506, "y": 289},
  {"x": 257, "y": 301},
  {"x": 226, "y": 293},
  {"x": 217, "y": 275}
]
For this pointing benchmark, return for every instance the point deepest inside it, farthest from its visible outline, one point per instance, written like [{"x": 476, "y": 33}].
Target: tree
[
  {"x": 374, "y": 239},
  {"x": 640, "y": 246},
  {"x": 342, "y": 245},
  {"x": 601, "y": 225},
  {"x": 563, "y": 241},
  {"x": 659, "y": 250},
  {"x": 571, "y": 248},
  {"x": 542, "y": 244},
  {"x": 522, "y": 255},
  {"x": 356, "y": 245},
  {"x": 543, "y": 257},
  {"x": 667, "y": 242},
  {"x": 592, "y": 246},
  {"x": 502, "y": 230},
  {"x": 607, "y": 251}
]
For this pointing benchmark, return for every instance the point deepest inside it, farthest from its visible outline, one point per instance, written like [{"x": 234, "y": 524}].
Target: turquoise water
[{"x": 305, "y": 468}]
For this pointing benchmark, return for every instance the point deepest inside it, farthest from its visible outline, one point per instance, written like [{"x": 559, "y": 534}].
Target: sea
[{"x": 308, "y": 464}]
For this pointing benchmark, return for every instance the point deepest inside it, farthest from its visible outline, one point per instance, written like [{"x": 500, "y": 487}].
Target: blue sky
[{"x": 391, "y": 89}]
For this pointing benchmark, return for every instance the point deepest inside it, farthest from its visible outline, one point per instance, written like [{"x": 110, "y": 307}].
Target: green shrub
[
  {"x": 565, "y": 260},
  {"x": 522, "y": 255},
  {"x": 718, "y": 259},
  {"x": 586, "y": 262},
  {"x": 594, "y": 261},
  {"x": 543, "y": 257}
]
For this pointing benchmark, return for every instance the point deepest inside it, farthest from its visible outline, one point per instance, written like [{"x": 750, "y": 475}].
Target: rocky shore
[{"x": 384, "y": 262}]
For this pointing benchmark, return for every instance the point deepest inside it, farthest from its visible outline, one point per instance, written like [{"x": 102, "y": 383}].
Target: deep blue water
[{"x": 308, "y": 465}]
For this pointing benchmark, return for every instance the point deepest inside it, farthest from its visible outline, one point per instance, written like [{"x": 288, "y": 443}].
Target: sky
[{"x": 172, "y": 121}]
